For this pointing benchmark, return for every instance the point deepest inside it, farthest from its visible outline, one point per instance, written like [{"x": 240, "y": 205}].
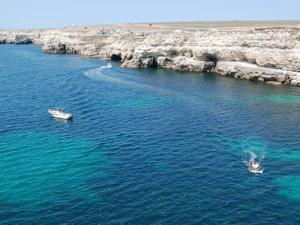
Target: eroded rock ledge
[{"x": 264, "y": 52}]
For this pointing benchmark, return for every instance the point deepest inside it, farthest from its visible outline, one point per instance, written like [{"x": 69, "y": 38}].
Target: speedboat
[
  {"x": 109, "y": 65},
  {"x": 255, "y": 167},
  {"x": 56, "y": 113}
]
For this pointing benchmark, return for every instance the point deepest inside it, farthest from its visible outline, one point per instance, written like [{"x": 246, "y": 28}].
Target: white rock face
[{"x": 258, "y": 52}]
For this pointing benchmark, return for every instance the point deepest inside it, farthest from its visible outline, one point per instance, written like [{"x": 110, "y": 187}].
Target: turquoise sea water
[{"x": 145, "y": 146}]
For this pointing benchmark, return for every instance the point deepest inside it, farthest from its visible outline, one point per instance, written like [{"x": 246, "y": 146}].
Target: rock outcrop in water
[{"x": 257, "y": 52}]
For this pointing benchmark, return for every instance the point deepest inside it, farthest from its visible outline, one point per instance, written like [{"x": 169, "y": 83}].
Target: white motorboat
[
  {"x": 255, "y": 167},
  {"x": 56, "y": 113}
]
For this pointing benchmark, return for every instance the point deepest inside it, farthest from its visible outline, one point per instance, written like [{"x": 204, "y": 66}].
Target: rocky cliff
[{"x": 258, "y": 52}]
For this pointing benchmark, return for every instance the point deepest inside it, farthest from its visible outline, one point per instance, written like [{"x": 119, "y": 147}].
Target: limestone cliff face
[{"x": 264, "y": 53}]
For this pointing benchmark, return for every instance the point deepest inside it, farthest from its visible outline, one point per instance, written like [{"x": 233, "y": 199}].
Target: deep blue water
[{"x": 145, "y": 146}]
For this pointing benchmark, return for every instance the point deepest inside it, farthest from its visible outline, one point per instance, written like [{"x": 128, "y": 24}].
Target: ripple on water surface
[
  {"x": 289, "y": 187},
  {"x": 279, "y": 98},
  {"x": 43, "y": 168},
  {"x": 145, "y": 146}
]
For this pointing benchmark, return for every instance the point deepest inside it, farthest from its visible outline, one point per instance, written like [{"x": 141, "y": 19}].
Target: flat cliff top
[
  {"x": 212, "y": 25},
  {"x": 170, "y": 26}
]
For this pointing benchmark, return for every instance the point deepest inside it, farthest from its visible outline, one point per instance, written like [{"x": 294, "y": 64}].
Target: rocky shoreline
[{"x": 257, "y": 52}]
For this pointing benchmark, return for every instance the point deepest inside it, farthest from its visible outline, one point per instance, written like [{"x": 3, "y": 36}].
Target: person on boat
[{"x": 254, "y": 165}]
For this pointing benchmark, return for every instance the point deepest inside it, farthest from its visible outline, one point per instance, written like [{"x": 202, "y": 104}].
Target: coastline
[{"x": 255, "y": 51}]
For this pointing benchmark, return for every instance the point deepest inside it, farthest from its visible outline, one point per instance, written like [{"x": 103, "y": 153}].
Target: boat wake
[
  {"x": 100, "y": 75},
  {"x": 108, "y": 66}
]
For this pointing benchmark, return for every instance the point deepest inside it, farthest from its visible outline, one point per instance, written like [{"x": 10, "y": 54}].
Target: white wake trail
[
  {"x": 250, "y": 155},
  {"x": 99, "y": 74}
]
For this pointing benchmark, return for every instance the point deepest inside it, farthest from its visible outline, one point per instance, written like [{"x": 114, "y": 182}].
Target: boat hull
[
  {"x": 60, "y": 115},
  {"x": 260, "y": 171}
]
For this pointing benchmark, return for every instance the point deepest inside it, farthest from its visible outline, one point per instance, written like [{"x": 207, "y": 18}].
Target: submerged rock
[{"x": 274, "y": 83}]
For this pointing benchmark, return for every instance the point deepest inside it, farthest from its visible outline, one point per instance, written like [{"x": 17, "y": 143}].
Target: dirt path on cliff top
[
  {"x": 171, "y": 26},
  {"x": 209, "y": 25}
]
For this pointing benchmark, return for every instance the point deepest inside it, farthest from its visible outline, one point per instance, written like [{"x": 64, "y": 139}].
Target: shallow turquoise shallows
[{"x": 144, "y": 147}]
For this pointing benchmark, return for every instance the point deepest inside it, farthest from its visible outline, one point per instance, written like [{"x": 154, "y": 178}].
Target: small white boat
[
  {"x": 109, "y": 65},
  {"x": 56, "y": 113},
  {"x": 255, "y": 167}
]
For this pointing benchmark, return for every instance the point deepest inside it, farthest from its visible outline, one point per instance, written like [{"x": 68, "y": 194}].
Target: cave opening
[
  {"x": 115, "y": 57},
  {"x": 211, "y": 58}
]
